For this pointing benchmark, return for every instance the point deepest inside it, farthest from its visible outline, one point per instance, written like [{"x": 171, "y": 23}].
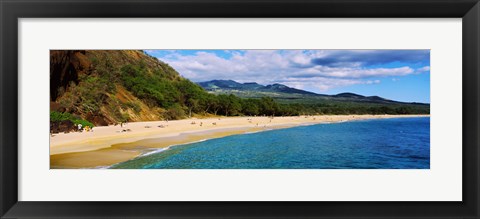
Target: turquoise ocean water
[{"x": 399, "y": 143}]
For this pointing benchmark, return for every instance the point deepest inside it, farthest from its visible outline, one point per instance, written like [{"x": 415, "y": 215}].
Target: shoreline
[{"x": 109, "y": 145}]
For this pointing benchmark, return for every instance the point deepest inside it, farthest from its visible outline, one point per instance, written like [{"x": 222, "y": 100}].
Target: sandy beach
[{"x": 109, "y": 145}]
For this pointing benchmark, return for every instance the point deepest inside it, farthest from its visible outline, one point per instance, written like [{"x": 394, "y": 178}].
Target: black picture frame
[{"x": 12, "y": 10}]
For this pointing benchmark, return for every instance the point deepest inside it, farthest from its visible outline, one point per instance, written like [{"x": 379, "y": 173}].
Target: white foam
[
  {"x": 166, "y": 148},
  {"x": 253, "y": 132},
  {"x": 155, "y": 151}
]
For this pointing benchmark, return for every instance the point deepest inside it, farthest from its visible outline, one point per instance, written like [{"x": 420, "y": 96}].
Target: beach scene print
[{"x": 239, "y": 109}]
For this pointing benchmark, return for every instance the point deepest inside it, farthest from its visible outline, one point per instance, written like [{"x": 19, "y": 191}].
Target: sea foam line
[{"x": 166, "y": 148}]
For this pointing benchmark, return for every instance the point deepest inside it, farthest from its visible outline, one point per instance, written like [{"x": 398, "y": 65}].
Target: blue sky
[{"x": 402, "y": 75}]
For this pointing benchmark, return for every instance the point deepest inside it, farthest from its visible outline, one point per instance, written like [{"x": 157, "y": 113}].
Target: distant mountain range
[
  {"x": 280, "y": 91},
  {"x": 251, "y": 86}
]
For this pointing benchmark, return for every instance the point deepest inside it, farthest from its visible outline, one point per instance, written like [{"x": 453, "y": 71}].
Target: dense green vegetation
[
  {"x": 154, "y": 89},
  {"x": 59, "y": 117}
]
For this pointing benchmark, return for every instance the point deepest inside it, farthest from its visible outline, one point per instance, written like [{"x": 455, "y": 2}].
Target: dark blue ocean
[{"x": 400, "y": 143}]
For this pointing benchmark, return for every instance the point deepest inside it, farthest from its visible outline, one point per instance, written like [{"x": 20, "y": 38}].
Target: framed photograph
[{"x": 255, "y": 109}]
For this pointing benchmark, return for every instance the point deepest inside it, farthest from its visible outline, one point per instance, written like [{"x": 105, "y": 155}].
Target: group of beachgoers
[
  {"x": 86, "y": 128},
  {"x": 201, "y": 123}
]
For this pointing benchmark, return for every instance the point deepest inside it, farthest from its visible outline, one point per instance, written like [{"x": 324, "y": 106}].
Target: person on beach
[{"x": 80, "y": 127}]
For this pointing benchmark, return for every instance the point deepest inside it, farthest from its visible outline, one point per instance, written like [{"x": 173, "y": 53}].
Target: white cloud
[
  {"x": 290, "y": 67},
  {"x": 423, "y": 69},
  {"x": 356, "y": 72},
  {"x": 323, "y": 83}
]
